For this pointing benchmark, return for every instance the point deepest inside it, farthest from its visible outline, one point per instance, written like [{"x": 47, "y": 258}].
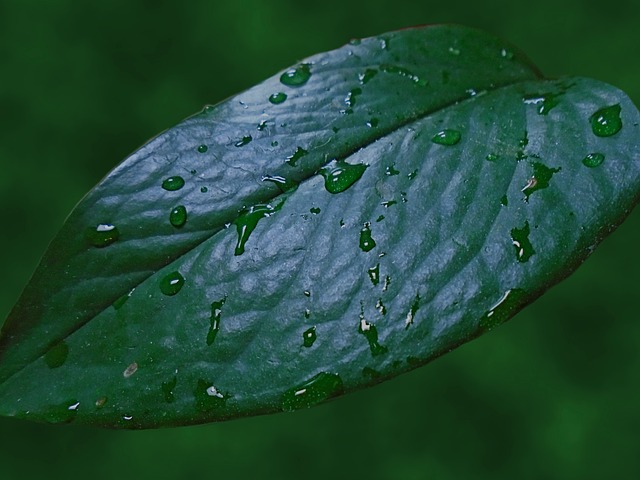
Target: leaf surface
[{"x": 347, "y": 220}]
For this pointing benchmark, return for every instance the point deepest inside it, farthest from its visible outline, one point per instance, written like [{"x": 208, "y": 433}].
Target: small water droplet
[
  {"x": 103, "y": 235},
  {"x": 172, "y": 283},
  {"x": 355, "y": 41},
  {"x": 244, "y": 141},
  {"x": 278, "y": 98},
  {"x": 544, "y": 101},
  {"x": 412, "y": 175},
  {"x": 274, "y": 143},
  {"x": 606, "y": 121},
  {"x": 178, "y": 216},
  {"x": 370, "y": 332},
  {"x": 374, "y": 274},
  {"x": 388, "y": 203},
  {"x": 540, "y": 179},
  {"x": 340, "y": 175},
  {"x": 248, "y": 219},
  {"x": 373, "y": 123},
  {"x": 127, "y": 418},
  {"x": 203, "y": 149},
  {"x": 297, "y": 155},
  {"x": 454, "y": 51},
  {"x": 307, "y": 293},
  {"x": 520, "y": 239},
  {"x": 504, "y": 201},
  {"x": 119, "y": 303},
  {"x": 403, "y": 72},
  {"x": 391, "y": 170},
  {"x": 167, "y": 389},
  {"x": 315, "y": 390},
  {"x": 57, "y": 355},
  {"x": 297, "y": 76},
  {"x": 368, "y": 74},
  {"x": 208, "y": 397},
  {"x": 351, "y": 98},
  {"x": 204, "y": 189},
  {"x": 216, "y": 314},
  {"x": 408, "y": 321},
  {"x": 282, "y": 183},
  {"x": 387, "y": 283},
  {"x": 173, "y": 183},
  {"x": 508, "y": 54},
  {"x": 380, "y": 218},
  {"x": 307, "y": 313},
  {"x": 492, "y": 157},
  {"x": 64, "y": 412},
  {"x": 130, "y": 370},
  {"x": 381, "y": 307},
  {"x": 593, "y": 160},
  {"x": 367, "y": 243},
  {"x": 309, "y": 337},
  {"x": 505, "y": 308},
  {"x": 447, "y": 137},
  {"x": 315, "y": 210}
]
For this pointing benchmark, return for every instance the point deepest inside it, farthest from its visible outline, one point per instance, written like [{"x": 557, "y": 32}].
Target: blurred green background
[{"x": 553, "y": 394}]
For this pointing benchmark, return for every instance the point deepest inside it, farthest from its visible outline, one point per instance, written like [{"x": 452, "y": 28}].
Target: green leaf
[{"x": 347, "y": 220}]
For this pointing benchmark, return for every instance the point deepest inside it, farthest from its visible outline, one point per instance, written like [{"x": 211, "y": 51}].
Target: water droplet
[
  {"x": 504, "y": 309},
  {"x": 447, "y": 137},
  {"x": 167, "y": 389},
  {"x": 297, "y": 155},
  {"x": 504, "y": 201},
  {"x": 103, "y": 235},
  {"x": 355, "y": 41},
  {"x": 368, "y": 74},
  {"x": 248, "y": 219},
  {"x": 178, "y": 216},
  {"x": 282, "y": 183},
  {"x": 606, "y": 121},
  {"x": 340, "y": 175},
  {"x": 593, "y": 160},
  {"x": 315, "y": 390},
  {"x": 64, "y": 412},
  {"x": 370, "y": 332},
  {"x": 508, "y": 54},
  {"x": 307, "y": 313},
  {"x": 367, "y": 242},
  {"x": 391, "y": 170},
  {"x": 173, "y": 183},
  {"x": 520, "y": 238},
  {"x": 381, "y": 307},
  {"x": 540, "y": 179},
  {"x": 297, "y": 76},
  {"x": 130, "y": 370},
  {"x": 307, "y": 293},
  {"x": 209, "y": 108},
  {"x": 544, "y": 101},
  {"x": 309, "y": 337},
  {"x": 374, "y": 274},
  {"x": 204, "y": 189},
  {"x": 208, "y": 397},
  {"x": 387, "y": 283},
  {"x": 412, "y": 175},
  {"x": 172, "y": 283},
  {"x": 388, "y": 203},
  {"x": 277, "y": 98},
  {"x": 380, "y": 218},
  {"x": 492, "y": 157},
  {"x": 403, "y": 72},
  {"x": 244, "y": 141},
  {"x": 454, "y": 51},
  {"x": 412, "y": 312},
  {"x": 351, "y": 98},
  {"x": 274, "y": 143},
  {"x": 315, "y": 210},
  {"x": 373, "y": 123},
  {"x": 57, "y": 355},
  {"x": 216, "y": 314}
]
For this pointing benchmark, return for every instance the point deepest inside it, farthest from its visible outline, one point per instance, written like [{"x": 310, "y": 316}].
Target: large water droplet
[
  {"x": 208, "y": 397},
  {"x": 103, "y": 235},
  {"x": 593, "y": 160},
  {"x": 172, "y": 283},
  {"x": 277, "y": 98},
  {"x": 309, "y": 337},
  {"x": 340, "y": 175},
  {"x": 315, "y": 390},
  {"x": 248, "y": 219},
  {"x": 297, "y": 155},
  {"x": 505, "y": 308},
  {"x": 520, "y": 239},
  {"x": 297, "y": 76},
  {"x": 57, "y": 355},
  {"x": 178, "y": 216},
  {"x": 606, "y": 121},
  {"x": 447, "y": 137},
  {"x": 173, "y": 183},
  {"x": 167, "y": 389},
  {"x": 216, "y": 314},
  {"x": 367, "y": 242},
  {"x": 540, "y": 179},
  {"x": 543, "y": 101}
]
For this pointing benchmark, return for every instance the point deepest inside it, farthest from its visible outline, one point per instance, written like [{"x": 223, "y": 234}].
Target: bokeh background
[{"x": 555, "y": 393}]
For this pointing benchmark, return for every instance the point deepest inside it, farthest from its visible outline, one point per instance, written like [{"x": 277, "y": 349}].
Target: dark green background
[{"x": 553, "y": 394}]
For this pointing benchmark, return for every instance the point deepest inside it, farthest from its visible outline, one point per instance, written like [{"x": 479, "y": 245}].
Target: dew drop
[
  {"x": 593, "y": 160},
  {"x": 541, "y": 177},
  {"x": 297, "y": 76},
  {"x": 352, "y": 97},
  {"x": 374, "y": 274},
  {"x": 403, "y": 72},
  {"x": 247, "y": 221},
  {"x": 103, "y": 235},
  {"x": 505, "y": 308},
  {"x": 340, "y": 175},
  {"x": 373, "y": 123},
  {"x": 367, "y": 243},
  {"x": 297, "y": 155},
  {"x": 178, "y": 216},
  {"x": 203, "y": 149},
  {"x": 315, "y": 390},
  {"x": 204, "y": 189},
  {"x": 504, "y": 201},
  {"x": 307, "y": 293},
  {"x": 408, "y": 321},
  {"x": 309, "y": 337},
  {"x": 381, "y": 307},
  {"x": 64, "y": 412},
  {"x": 57, "y": 355},
  {"x": 606, "y": 121},
  {"x": 370, "y": 332},
  {"x": 173, "y": 183},
  {"x": 543, "y": 101},
  {"x": 391, "y": 170},
  {"x": 208, "y": 397},
  {"x": 315, "y": 210},
  {"x": 285, "y": 185},
  {"x": 172, "y": 283},
  {"x": 520, "y": 239},
  {"x": 244, "y": 141},
  {"x": 447, "y": 137},
  {"x": 277, "y": 98},
  {"x": 216, "y": 314},
  {"x": 368, "y": 74}
]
